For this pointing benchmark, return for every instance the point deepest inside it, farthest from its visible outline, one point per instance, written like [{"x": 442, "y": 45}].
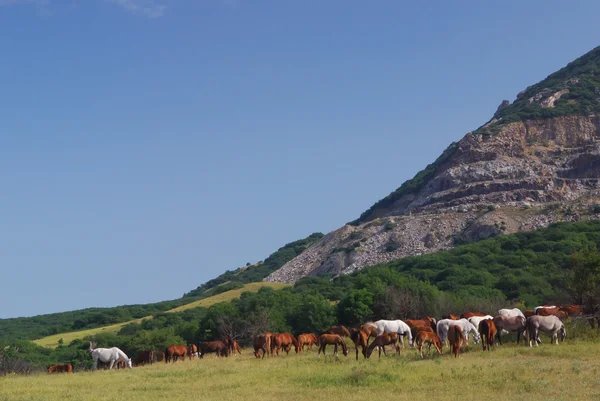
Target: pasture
[
  {"x": 569, "y": 371},
  {"x": 52, "y": 341}
]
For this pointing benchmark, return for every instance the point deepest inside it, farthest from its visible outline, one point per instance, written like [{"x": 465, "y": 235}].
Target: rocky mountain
[{"x": 537, "y": 161}]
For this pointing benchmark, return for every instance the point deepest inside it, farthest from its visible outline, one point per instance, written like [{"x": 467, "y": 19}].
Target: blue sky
[{"x": 147, "y": 146}]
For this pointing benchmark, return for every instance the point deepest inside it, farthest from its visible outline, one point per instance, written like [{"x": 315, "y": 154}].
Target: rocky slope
[{"x": 505, "y": 177}]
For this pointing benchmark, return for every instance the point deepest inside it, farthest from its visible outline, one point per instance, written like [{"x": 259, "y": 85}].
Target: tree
[
  {"x": 355, "y": 307},
  {"x": 314, "y": 315},
  {"x": 585, "y": 278}
]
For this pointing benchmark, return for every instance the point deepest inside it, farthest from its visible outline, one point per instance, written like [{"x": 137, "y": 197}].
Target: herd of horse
[{"x": 454, "y": 330}]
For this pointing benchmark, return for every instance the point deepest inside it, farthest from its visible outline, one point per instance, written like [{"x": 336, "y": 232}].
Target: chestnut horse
[
  {"x": 285, "y": 341},
  {"x": 427, "y": 335},
  {"x": 220, "y": 348},
  {"x": 572, "y": 310},
  {"x": 554, "y": 311},
  {"x": 456, "y": 338},
  {"x": 426, "y": 322},
  {"x": 307, "y": 339},
  {"x": 332, "y": 339},
  {"x": 192, "y": 351},
  {"x": 360, "y": 338},
  {"x": 262, "y": 342},
  {"x": 67, "y": 368},
  {"x": 370, "y": 329},
  {"x": 468, "y": 315},
  {"x": 487, "y": 330},
  {"x": 339, "y": 330},
  {"x": 381, "y": 341},
  {"x": 451, "y": 317},
  {"x": 174, "y": 352}
]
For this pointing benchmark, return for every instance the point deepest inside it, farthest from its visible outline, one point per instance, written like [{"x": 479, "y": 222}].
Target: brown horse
[
  {"x": 528, "y": 313},
  {"x": 361, "y": 339},
  {"x": 572, "y": 310},
  {"x": 339, "y": 330},
  {"x": 145, "y": 357},
  {"x": 220, "y": 348},
  {"x": 487, "y": 330},
  {"x": 192, "y": 351},
  {"x": 174, "y": 352},
  {"x": 425, "y": 322},
  {"x": 66, "y": 368},
  {"x": 427, "y": 336},
  {"x": 383, "y": 340},
  {"x": 283, "y": 341},
  {"x": 467, "y": 315},
  {"x": 262, "y": 342},
  {"x": 332, "y": 339},
  {"x": 555, "y": 311},
  {"x": 234, "y": 347},
  {"x": 370, "y": 329},
  {"x": 307, "y": 339},
  {"x": 510, "y": 324},
  {"x": 456, "y": 338},
  {"x": 451, "y": 317}
]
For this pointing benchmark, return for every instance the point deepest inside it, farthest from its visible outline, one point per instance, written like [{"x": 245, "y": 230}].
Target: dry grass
[
  {"x": 570, "y": 371},
  {"x": 52, "y": 341}
]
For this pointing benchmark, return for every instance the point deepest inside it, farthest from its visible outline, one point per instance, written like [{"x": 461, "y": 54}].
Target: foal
[
  {"x": 332, "y": 339},
  {"x": 383, "y": 340},
  {"x": 430, "y": 337},
  {"x": 456, "y": 338}
]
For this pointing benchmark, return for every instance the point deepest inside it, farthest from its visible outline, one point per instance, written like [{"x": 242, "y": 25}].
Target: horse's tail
[{"x": 91, "y": 346}]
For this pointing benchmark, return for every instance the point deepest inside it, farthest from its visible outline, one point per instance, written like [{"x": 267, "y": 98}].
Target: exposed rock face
[{"x": 525, "y": 177}]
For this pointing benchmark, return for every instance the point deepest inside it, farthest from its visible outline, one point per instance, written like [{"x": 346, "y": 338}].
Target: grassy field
[
  {"x": 52, "y": 341},
  {"x": 570, "y": 371}
]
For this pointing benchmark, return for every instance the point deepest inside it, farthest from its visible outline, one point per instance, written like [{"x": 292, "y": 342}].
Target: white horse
[
  {"x": 547, "y": 324},
  {"x": 109, "y": 355},
  {"x": 475, "y": 320},
  {"x": 511, "y": 312},
  {"x": 393, "y": 326},
  {"x": 467, "y": 328}
]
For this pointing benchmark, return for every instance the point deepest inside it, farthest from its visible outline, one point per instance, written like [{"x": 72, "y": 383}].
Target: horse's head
[
  {"x": 476, "y": 337},
  {"x": 563, "y": 333},
  {"x": 128, "y": 363}
]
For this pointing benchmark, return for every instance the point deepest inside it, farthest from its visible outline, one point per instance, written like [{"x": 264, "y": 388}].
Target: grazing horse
[
  {"x": 547, "y": 324},
  {"x": 332, "y": 339},
  {"x": 467, "y": 315},
  {"x": 475, "y": 320},
  {"x": 487, "y": 330},
  {"x": 509, "y": 324},
  {"x": 307, "y": 339},
  {"x": 262, "y": 342},
  {"x": 192, "y": 351},
  {"x": 66, "y": 368},
  {"x": 456, "y": 338},
  {"x": 394, "y": 326},
  {"x": 451, "y": 317},
  {"x": 220, "y": 348},
  {"x": 110, "y": 355},
  {"x": 370, "y": 329},
  {"x": 390, "y": 338},
  {"x": 426, "y": 322},
  {"x": 428, "y": 336},
  {"x": 174, "y": 352},
  {"x": 285, "y": 341},
  {"x": 443, "y": 328},
  {"x": 360, "y": 338},
  {"x": 511, "y": 312},
  {"x": 145, "y": 357},
  {"x": 339, "y": 330},
  {"x": 234, "y": 347}
]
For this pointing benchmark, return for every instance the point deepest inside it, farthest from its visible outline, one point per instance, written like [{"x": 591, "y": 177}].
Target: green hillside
[
  {"x": 91, "y": 318},
  {"x": 53, "y": 340}
]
